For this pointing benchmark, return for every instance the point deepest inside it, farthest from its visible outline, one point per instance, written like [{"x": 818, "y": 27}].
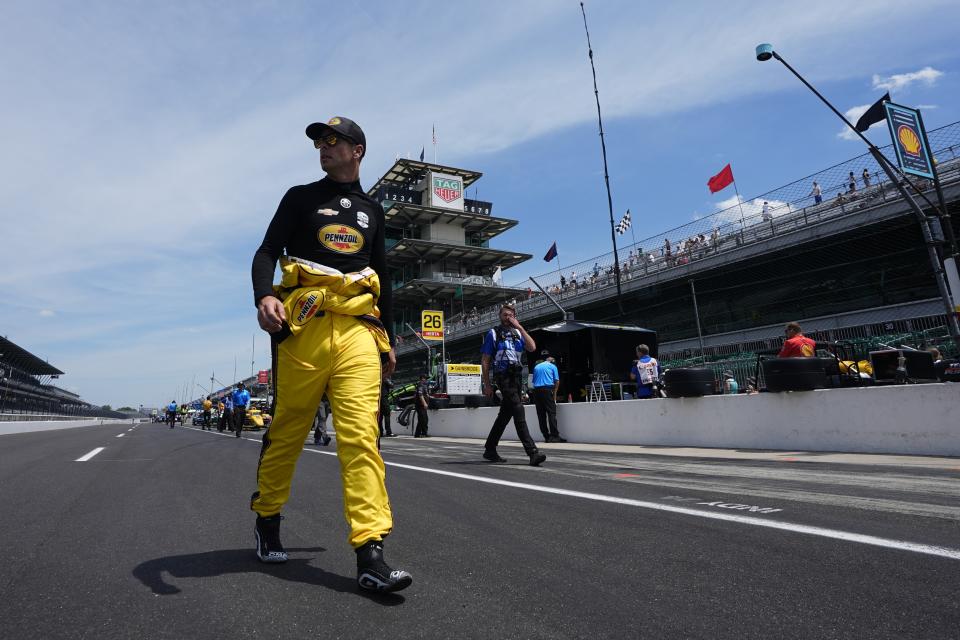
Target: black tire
[
  {"x": 692, "y": 382},
  {"x": 794, "y": 374},
  {"x": 438, "y": 403}
]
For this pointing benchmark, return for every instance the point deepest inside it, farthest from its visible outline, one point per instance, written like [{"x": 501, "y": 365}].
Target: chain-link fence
[{"x": 847, "y": 187}]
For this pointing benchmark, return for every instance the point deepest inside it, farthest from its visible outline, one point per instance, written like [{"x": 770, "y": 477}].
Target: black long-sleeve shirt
[{"x": 332, "y": 223}]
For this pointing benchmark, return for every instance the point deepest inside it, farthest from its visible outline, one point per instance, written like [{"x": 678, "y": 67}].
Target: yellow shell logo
[
  {"x": 340, "y": 238},
  {"x": 909, "y": 139},
  {"x": 334, "y": 121}
]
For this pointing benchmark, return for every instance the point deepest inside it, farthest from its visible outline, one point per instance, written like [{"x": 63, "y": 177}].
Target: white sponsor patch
[
  {"x": 327, "y": 212},
  {"x": 345, "y": 203},
  {"x": 363, "y": 219}
]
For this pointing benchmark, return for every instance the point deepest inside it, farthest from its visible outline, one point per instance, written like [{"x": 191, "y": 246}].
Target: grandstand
[
  {"x": 852, "y": 266},
  {"x": 26, "y": 391}
]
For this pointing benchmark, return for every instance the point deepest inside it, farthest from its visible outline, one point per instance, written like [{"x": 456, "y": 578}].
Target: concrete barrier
[
  {"x": 910, "y": 419},
  {"x": 51, "y": 425}
]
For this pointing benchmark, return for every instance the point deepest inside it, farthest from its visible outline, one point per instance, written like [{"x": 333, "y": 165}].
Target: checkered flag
[{"x": 624, "y": 223}]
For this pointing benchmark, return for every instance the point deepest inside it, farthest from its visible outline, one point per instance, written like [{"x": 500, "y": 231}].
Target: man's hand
[
  {"x": 390, "y": 364},
  {"x": 514, "y": 322},
  {"x": 270, "y": 314},
  {"x": 487, "y": 389}
]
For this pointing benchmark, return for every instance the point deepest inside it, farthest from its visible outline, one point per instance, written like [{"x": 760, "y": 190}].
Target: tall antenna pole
[{"x": 606, "y": 174}]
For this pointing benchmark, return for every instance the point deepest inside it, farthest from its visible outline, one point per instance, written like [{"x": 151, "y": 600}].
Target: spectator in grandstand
[
  {"x": 816, "y": 193},
  {"x": 866, "y": 179},
  {"x": 501, "y": 352},
  {"x": 766, "y": 215},
  {"x": 546, "y": 381},
  {"x": 226, "y": 414},
  {"x": 796, "y": 345},
  {"x": 840, "y": 198},
  {"x": 207, "y": 409},
  {"x": 241, "y": 397},
  {"x": 573, "y": 280},
  {"x": 645, "y": 372},
  {"x": 852, "y": 183},
  {"x": 730, "y": 386},
  {"x": 715, "y": 238},
  {"x": 421, "y": 401}
]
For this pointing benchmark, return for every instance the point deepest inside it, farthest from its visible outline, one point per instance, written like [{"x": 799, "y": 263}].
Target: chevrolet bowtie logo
[{"x": 327, "y": 212}]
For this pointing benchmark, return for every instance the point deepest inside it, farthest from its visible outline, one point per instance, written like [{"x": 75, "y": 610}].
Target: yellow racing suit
[{"x": 331, "y": 345}]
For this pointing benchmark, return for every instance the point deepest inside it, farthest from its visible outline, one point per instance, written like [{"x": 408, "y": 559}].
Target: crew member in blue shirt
[
  {"x": 546, "y": 381},
  {"x": 172, "y": 413},
  {"x": 240, "y": 399},
  {"x": 502, "y": 348}
]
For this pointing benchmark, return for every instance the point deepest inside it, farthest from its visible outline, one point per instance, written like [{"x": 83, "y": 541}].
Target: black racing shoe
[
  {"x": 269, "y": 548},
  {"x": 536, "y": 459},
  {"x": 493, "y": 456},
  {"x": 373, "y": 574}
]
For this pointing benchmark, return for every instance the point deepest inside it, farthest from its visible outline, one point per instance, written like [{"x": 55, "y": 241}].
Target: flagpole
[
  {"x": 606, "y": 173},
  {"x": 739, "y": 204}
]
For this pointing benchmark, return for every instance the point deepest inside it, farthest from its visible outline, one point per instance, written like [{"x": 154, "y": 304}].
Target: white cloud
[
  {"x": 853, "y": 114},
  {"x": 750, "y": 210},
  {"x": 900, "y": 81},
  {"x": 47, "y": 313},
  {"x": 927, "y": 107}
]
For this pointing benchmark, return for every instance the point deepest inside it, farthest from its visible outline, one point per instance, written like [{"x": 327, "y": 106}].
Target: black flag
[{"x": 874, "y": 114}]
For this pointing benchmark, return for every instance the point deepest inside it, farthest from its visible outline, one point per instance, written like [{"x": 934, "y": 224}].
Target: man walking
[
  {"x": 226, "y": 413},
  {"x": 546, "y": 381},
  {"x": 172, "y": 413},
  {"x": 421, "y": 401},
  {"x": 502, "y": 348},
  {"x": 240, "y": 399},
  {"x": 207, "y": 409},
  {"x": 384, "y": 424},
  {"x": 331, "y": 328}
]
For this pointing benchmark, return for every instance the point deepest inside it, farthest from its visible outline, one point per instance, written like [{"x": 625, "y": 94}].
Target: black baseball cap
[
  {"x": 544, "y": 354},
  {"x": 340, "y": 126}
]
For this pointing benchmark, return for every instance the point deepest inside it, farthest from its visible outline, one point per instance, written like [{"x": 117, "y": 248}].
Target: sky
[{"x": 146, "y": 145}]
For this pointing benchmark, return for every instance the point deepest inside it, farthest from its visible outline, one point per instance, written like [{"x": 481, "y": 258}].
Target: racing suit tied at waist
[{"x": 308, "y": 289}]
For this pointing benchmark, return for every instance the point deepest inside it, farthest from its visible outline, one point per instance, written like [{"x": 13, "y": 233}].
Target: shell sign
[{"x": 909, "y": 139}]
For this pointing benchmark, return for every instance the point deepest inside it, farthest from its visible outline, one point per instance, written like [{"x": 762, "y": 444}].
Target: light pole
[{"x": 765, "y": 52}]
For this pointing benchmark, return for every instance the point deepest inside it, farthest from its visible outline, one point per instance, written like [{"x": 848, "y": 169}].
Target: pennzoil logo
[
  {"x": 446, "y": 189},
  {"x": 340, "y": 238},
  {"x": 307, "y": 306}
]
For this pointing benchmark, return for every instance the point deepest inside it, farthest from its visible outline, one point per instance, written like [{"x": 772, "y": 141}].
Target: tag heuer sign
[{"x": 446, "y": 191}]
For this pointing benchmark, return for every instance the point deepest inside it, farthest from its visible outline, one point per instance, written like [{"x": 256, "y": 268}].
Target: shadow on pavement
[{"x": 209, "y": 564}]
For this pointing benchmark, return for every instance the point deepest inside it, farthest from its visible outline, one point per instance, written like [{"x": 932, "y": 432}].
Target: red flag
[{"x": 722, "y": 180}]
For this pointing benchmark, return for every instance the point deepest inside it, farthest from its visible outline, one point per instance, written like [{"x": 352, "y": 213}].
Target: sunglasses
[{"x": 331, "y": 141}]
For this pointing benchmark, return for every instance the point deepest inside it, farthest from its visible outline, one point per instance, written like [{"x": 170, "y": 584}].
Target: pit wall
[{"x": 913, "y": 419}]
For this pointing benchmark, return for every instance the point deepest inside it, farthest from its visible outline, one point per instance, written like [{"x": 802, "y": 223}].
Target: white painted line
[
  {"x": 121, "y": 435},
  {"x": 90, "y": 455},
  {"x": 835, "y": 534}
]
